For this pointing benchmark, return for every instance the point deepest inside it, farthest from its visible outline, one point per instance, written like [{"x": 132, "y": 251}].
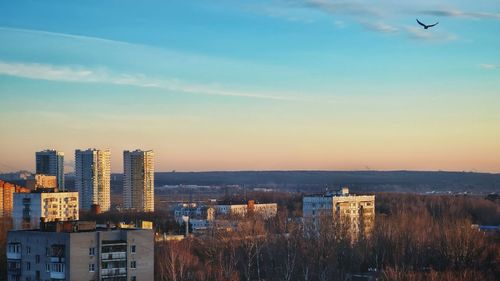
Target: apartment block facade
[
  {"x": 138, "y": 180},
  {"x": 32, "y": 208},
  {"x": 78, "y": 251},
  {"x": 92, "y": 178},
  {"x": 357, "y": 210},
  {"x": 7, "y": 191},
  {"x": 51, "y": 162}
]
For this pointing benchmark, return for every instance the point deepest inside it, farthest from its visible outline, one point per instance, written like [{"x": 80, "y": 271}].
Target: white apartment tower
[
  {"x": 92, "y": 178},
  {"x": 138, "y": 180}
]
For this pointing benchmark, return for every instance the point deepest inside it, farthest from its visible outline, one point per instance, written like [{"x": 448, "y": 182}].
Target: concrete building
[
  {"x": 40, "y": 181},
  {"x": 78, "y": 251},
  {"x": 266, "y": 211},
  {"x": 51, "y": 162},
  {"x": 358, "y": 211},
  {"x": 138, "y": 180},
  {"x": 31, "y": 208},
  {"x": 92, "y": 178},
  {"x": 7, "y": 191},
  {"x": 193, "y": 211}
]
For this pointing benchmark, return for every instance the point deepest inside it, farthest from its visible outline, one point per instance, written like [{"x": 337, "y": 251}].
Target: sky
[{"x": 253, "y": 85}]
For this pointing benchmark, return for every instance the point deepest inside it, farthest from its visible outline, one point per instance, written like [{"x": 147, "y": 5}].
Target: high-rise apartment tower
[
  {"x": 92, "y": 178},
  {"x": 51, "y": 163},
  {"x": 138, "y": 180}
]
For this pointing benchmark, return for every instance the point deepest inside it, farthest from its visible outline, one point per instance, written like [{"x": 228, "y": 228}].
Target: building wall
[
  {"x": 359, "y": 211},
  {"x": 51, "y": 162},
  {"x": 7, "y": 191},
  {"x": 30, "y": 207},
  {"x": 138, "y": 180},
  {"x": 92, "y": 178},
  {"x": 78, "y": 255}
]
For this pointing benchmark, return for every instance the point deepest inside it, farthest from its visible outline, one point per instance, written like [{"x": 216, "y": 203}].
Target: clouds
[
  {"x": 462, "y": 14},
  {"x": 489, "y": 66},
  {"x": 393, "y": 17},
  {"x": 101, "y": 75}
]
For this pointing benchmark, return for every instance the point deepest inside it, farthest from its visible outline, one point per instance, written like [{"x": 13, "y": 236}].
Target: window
[
  {"x": 47, "y": 267},
  {"x": 132, "y": 249},
  {"x": 37, "y": 259},
  {"x": 91, "y": 267},
  {"x": 28, "y": 250},
  {"x": 28, "y": 265},
  {"x": 133, "y": 264},
  {"x": 91, "y": 251},
  {"x": 47, "y": 251},
  {"x": 133, "y": 278}
]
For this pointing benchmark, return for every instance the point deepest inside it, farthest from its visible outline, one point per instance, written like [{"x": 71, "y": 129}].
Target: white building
[
  {"x": 266, "y": 211},
  {"x": 92, "y": 178},
  {"x": 357, "y": 210},
  {"x": 30, "y": 208},
  {"x": 138, "y": 180}
]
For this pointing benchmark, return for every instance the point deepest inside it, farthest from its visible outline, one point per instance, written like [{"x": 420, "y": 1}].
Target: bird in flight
[{"x": 425, "y": 25}]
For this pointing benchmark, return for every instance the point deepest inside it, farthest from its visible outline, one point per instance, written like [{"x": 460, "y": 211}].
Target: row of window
[{"x": 92, "y": 250}]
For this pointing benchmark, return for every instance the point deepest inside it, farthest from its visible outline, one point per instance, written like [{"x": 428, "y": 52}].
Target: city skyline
[{"x": 266, "y": 85}]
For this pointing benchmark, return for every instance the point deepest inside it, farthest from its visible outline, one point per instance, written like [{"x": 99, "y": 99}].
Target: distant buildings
[
  {"x": 92, "y": 178},
  {"x": 51, "y": 162},
  {"x": 40, "y": 181},
  {"x": 7, "y": 191},
  {"x": 32, "y": 208},
  {"x": 78, "y": 251},
  {"x": 357, "y": 211},
  {"x": 265, "y": 211},
  {"x": 138, "y": 180}
]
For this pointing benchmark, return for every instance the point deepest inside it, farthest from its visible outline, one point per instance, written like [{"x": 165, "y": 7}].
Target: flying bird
[{"x": 425, "y": 25}]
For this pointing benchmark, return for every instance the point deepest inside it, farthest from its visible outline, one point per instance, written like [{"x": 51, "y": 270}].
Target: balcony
[
  {"x": 54, "y": 259},
  {"x": 13, "y": 256},
  {"x": 57, "y": 275},
  {"x": 114, "y": 272},
  {"x": 14, "y": 267},
  {"x": 114, "y": 256}
]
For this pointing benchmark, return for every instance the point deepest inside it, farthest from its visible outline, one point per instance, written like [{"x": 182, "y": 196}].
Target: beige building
[
  {"x": 31, "y": 208},
  {"x": 138, "y": 180},
  {"x": 266, "y": 211},
  {"x": 357, "y": 210},
  {"x": 42, "y": 181},
  {"x": 80, "y": 251},
  {"x": 92, "y": 178}
]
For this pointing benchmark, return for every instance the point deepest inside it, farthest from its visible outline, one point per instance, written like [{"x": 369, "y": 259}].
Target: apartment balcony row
[
  {"x": 114, "y": 256},
  {"x": 114, "y": 272}
]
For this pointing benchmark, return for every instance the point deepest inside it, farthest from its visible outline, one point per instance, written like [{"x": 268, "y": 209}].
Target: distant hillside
[
  {"x": 309, "y": 181},
  {"x": 360, "y": 180}
]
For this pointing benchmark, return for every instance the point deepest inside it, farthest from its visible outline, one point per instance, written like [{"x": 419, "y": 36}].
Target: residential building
[
  {"x": 51, "y": 162},
  {"x": 357, "y": 210},
  {"x": 92, "y": 178},
  {"x": 138, "y": 180},
  {"x": 32, "y": 208},
  {"x": 79, "y": 251},
  {"x": 266, "y": 211},
  {"x": 7, "y": 191},
  {"x": 42, "y": 181},
  {"x": 193, "y": 211}
]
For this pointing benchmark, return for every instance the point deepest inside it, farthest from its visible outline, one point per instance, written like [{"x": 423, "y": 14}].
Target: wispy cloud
[
  {"x": 462, "y": 14},
  {"x": 101, "y": 75},
  {"x": 381, "y": 27},
  {"x": 421, "y": 34},
  {"x": 489, "y": 66}
]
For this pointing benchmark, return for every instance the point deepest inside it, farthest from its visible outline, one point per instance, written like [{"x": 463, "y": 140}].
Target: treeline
[{"x": 415, "y": 238}]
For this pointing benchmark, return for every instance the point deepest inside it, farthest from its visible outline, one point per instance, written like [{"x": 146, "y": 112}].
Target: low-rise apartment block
[
  {"x": 32, "y": 208},
  {"x": 78, "y": 251},
  {"x": 357, "y": 210}
]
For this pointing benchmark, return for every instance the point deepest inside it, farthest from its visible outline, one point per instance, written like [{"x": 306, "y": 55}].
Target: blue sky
[{"x": 211, "y": 85}]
